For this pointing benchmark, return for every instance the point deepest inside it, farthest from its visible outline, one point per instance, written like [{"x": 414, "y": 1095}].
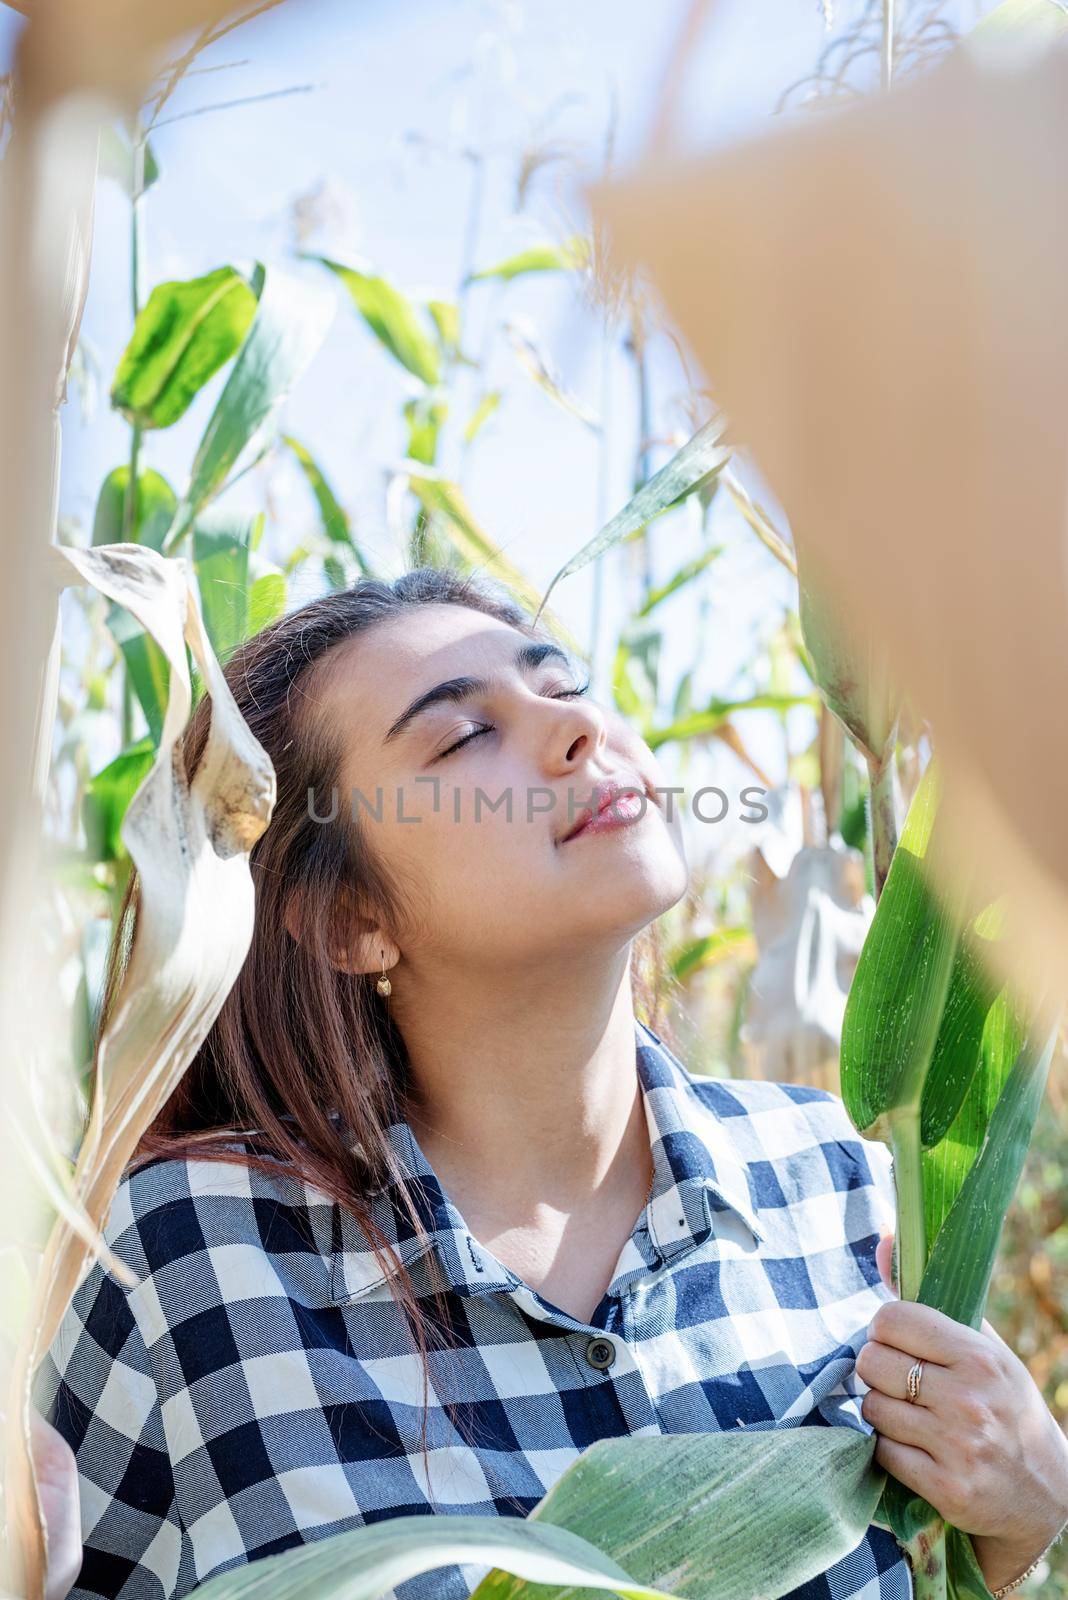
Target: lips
[{"x": 607, "y": 790}]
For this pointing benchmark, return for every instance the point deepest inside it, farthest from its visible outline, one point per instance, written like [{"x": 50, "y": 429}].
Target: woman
[{"x": 411, "y": 1243}]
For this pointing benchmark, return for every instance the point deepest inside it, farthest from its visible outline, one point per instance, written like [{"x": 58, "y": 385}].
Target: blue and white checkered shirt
[{"x": 259, "y": 1387}]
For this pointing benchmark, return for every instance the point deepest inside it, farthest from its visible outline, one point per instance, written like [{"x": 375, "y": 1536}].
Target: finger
[
  {"x": 911, "y": 1466},
  {"x": 886, "y": 1369},
  {"x": 900, "y": 1421},
  {"x": 922, "y": 1332}
]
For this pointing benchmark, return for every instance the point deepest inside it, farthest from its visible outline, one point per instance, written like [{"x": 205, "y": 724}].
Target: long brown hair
[{"x": 303, "y": 1055}]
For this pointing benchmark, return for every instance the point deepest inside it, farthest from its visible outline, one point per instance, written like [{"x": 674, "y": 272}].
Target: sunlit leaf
[
  {"x": 706, "y": 721},
  {"x": 686, "y": 574},
  {"x": 185, "y": 332},
  {"x": 635, "y": 672},
  {"x": 371, "y": 1561},
  {"x": 482, "y": 413},
  {"x": 903, "y": 978},
  {"x": 392, "y": 318},
  {"x": 957, "y": 1276},
  {"x": 725, "y": 1516},
  {"x": 702, "y": 456},
  {"x": 446, "y": 318},
  {"x": 146, "y": 666},
  {"x": 445, "y": 502},
  {"x": 153, "y": 510},
  {"x": 335, "y": 521},
  {"x": 574, "y": 252},
  {"x": 108, "y": 795},
  {"x": 976, "y": 1029},
  {"x": 266, "y": 600},
  {"x": 424, "y": 416},
  {"x": 289, "y": 326},
  {"x": 710, "y": 949},
  {"x": 534, "y": 360},
  {"x": 222, "y": 541}
]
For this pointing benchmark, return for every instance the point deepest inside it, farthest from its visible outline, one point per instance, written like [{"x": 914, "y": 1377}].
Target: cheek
[{"x": 472, "y": 859}]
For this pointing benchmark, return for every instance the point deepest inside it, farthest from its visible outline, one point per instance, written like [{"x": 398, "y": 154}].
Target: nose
[{"x": 576, "y": 731}]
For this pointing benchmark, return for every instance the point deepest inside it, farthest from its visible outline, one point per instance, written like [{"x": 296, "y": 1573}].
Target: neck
[{"x": 525, "y": 1088}]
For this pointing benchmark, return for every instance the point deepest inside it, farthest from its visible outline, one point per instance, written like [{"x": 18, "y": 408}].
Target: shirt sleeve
[{"x": 96, "y": 1387}]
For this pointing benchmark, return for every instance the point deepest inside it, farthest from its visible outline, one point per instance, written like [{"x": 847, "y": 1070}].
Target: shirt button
[{"x": 600, "y": 1353}]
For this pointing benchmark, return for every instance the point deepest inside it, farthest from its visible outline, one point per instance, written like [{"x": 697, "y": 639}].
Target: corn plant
[{"x": 942, "y": 1062}]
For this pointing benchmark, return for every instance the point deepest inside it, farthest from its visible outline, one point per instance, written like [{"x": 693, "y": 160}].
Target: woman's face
[{"x": 473, "y": 833}]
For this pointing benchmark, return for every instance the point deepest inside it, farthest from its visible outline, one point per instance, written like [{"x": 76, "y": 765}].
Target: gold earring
[{"x": 383, "y": 985}]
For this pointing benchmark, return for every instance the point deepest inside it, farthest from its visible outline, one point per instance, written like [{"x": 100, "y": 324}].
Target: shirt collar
[{"x": 697, "y": 1174}]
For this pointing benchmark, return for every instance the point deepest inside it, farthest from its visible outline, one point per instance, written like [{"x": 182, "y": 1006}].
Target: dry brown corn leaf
[
  {"x": 877, "y": 297},
  {"x": 190, "y": 845}
]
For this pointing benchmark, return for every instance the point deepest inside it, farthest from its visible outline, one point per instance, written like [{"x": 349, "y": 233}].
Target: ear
[{"x": 355, "y": 941}]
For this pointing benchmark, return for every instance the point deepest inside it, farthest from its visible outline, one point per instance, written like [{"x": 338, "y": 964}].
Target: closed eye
[{"x": 564, "y": 694}]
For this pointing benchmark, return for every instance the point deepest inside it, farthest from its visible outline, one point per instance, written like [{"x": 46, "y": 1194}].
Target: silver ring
[{"x": 912, "y": 1382}]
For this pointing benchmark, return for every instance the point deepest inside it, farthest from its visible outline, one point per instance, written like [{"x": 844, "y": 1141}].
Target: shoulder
[
  {"x": 172, "y": 1207},
  {"x": 806, "y": 1131},
  {"x": 809, "y": 1113}
]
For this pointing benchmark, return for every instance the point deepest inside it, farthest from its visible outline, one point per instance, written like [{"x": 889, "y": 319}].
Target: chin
[{"x": 625, "y": 901}]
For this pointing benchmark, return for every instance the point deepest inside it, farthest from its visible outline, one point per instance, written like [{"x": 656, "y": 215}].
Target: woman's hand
[
  {"x": 979, "y": 1443},
  {"x": 57, "y": 1484}
]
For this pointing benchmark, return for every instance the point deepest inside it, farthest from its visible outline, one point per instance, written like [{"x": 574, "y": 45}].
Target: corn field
[{"x": 892, "y": 930}]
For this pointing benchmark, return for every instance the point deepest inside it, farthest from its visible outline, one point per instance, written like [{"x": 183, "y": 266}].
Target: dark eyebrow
[{"x": 458, "y": 689}]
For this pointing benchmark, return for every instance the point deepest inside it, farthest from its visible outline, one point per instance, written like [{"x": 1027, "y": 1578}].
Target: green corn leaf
[
  {"x": 424, "y": 417},
  {"x": 691, "y": 467},
  {"x": 222, "y": 541},
  {"x": 445, "y": 503},
  {"x": 947, "y": 1163},
  {"x": 266, "y": 600},
  {"x": 686, "y": 574},
  {"x": 289, "y": 326},
  {"x": 898, "y": 995},
  {"x": 335, "y": 521},
  {"x": 965, "y": 1579},
  {"x": 957, "y": 1275},
  {"x": 701, "y": 724},
  {"x": 482, "y": 413},
  {"x": 445, "y": 315},
  {"x": 956, "y": 1057},
  {"x": 185, "y": 332},
  {"x": 574, "y": 252},
  {"x": 956, "y": 1279},
  {"x": 371, "y": 1561},
  {"x": 154, "y": 506},
  {"x": 697, "y": 954},
  {"x": 392, "y": 318},
  {"x": 107, "y": 797},
  {"x": 147, "y": 667},
  {"x": 682, "y": 704},
  {"x": 715, "y": 1517},
  {"x": 635, "y": 672},
  {"x": 539, "y": 366}
]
